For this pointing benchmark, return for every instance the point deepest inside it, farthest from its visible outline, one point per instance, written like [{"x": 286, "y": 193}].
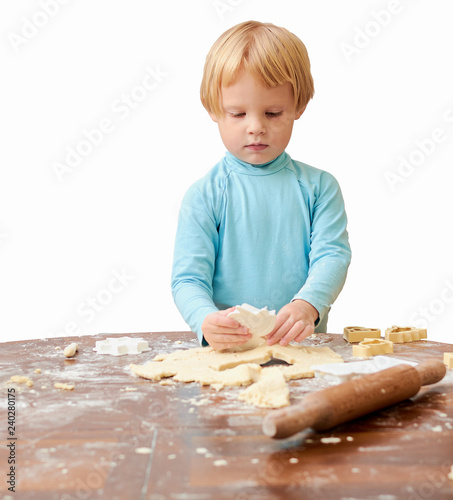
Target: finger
[
  {"x": 294, "y": 332},
  {"x": 228, "y": 341},
  {"x": 225, "y": 322},
  {"x": 280, "y": 320},
  {"x": 309, "y": 330},
  {"x": 282, "y": 331},
  {"x": 231, "y": 338}
]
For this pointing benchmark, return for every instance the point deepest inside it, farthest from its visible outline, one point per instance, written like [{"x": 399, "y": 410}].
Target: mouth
[{"x": 256, "y": 146}]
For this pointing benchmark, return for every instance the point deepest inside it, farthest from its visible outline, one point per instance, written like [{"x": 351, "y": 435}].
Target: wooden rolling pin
[{"x": 325, "y": 409}]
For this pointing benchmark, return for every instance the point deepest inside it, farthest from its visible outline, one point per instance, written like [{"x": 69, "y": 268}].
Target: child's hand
[
  {"x": 295, "y": 321},
  {"x": 222, "y": 332}
]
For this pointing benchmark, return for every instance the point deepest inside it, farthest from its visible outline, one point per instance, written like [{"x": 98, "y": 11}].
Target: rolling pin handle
[{"x": 431, "y": 371}]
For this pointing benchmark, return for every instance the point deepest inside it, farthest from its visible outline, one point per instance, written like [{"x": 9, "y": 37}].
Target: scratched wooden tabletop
[{"x": 117, "y": 436}]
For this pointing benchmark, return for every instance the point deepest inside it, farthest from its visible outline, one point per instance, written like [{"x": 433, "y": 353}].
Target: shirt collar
[{"x": 249, "y": 169}]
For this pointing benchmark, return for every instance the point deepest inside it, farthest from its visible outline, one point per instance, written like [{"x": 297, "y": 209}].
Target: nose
[{"x": 255, "y": 126}]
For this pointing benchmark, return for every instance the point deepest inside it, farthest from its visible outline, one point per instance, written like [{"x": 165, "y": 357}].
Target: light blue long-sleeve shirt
[{"x": 260, "y": 234}]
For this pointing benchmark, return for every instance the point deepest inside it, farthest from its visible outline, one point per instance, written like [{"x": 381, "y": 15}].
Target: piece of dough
[
  {"x": 301, "y": 354},
  {"x": 226, "y": 369},
  {"x": 70, "y": 350},
  {"x": 20, "y": 379},
  {"x": 270, "y": 391},
  {"x": 237, "y": 376},
  {"x": 65, "y": 387}
]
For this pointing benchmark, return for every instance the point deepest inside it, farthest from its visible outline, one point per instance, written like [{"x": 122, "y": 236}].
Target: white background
[{"x": 383, "y": 85}]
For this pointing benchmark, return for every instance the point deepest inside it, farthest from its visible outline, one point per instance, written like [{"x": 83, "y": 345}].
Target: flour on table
[{"x": 221, "y": 369}]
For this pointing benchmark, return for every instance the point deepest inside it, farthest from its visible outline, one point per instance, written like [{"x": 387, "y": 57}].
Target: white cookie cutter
[{"x": 121, "y": 346}]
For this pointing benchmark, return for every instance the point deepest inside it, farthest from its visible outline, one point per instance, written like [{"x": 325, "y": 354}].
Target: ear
[
  {"x": 299, "y": 113},
  {"x": 214, "y": 117}
]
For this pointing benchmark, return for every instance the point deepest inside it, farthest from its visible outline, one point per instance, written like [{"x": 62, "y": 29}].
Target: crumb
[
  {"x": 201, "y": 451},
  {"x": 38, "y": 370},
  {"x": 58, "y": 348},
  {"x": 66, "y": 387},
  {"x": 437, "y": 428},
  {"x": 143, "y": 451},
  {"x": 19, "y": 379},
  {"x": 349, "y": 438},
  {"x": 329, "y": 440},
  {"x": 219, "y": 463},
  {"x": 166, "y": 382},
  {"x": 450, "y": 475},
  {"x": 293, "y": 460}
]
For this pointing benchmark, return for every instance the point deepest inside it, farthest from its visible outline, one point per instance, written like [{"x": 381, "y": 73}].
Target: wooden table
[{"x": 202, "y": 444}]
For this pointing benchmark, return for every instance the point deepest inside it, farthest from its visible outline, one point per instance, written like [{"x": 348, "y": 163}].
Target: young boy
[{"x": 259, "y": 228}]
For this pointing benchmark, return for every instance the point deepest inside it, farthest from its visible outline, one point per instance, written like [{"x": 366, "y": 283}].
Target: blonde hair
[{"x": 270, "y": 53}]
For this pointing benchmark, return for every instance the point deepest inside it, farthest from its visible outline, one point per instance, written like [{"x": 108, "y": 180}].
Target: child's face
[{"x": 257, "y": 121}]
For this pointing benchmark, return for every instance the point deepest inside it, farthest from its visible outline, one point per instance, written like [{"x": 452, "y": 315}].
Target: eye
[
  {"x": 237, "y": 115},
  {"x": 273, "y": 115}
]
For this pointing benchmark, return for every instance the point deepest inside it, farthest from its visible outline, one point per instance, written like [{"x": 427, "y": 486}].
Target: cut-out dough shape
[
  {"x": 360, "y": 333},
  {"x": 260, "y": 322},
  {"x": 372, "y": 347},
  {"x": 121, "y": 346},
  {"x": 448, "y": 359},
  {"x": 403, "y": 334},
  {"x": 225, "y": 369}
]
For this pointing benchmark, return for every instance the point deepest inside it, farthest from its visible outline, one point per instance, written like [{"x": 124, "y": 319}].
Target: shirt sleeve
[
  {"x": 195, "y": 251},
  {"x": 330, "y": 253}
]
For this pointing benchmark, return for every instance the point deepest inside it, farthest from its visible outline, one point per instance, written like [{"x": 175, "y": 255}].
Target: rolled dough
[{"x": 228, "y": 369}]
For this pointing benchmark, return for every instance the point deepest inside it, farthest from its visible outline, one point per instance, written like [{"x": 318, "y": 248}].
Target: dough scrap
[
  {"x": 271, "y": 391},
  {"x": 70, "y": 350},
  {"x": 229, "y": 369},
  {"x": 21, "y": 379},
  {"x": 65, "y": 387}
]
